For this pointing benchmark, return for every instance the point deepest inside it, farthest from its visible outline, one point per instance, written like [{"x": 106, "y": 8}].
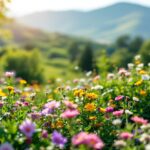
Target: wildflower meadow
[{"x": 92, "y": 112}]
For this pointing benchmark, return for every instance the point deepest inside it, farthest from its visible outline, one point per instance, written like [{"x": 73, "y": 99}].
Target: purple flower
[
  {"x": 50, "y": 107},
  {"x": 118, "y": 98},
  {"x": 6, "y": 146},
  {"x": 58, "y": 139},
  {"x": 109, "y": 109},
  {"x": 28, "y": 128}
]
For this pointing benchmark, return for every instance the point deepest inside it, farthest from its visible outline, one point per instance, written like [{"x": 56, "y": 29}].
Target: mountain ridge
[{"x": 104, "y": 24}]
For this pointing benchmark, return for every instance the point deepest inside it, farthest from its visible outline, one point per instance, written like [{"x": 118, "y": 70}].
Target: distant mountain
[{"x": 103, "y": 25}]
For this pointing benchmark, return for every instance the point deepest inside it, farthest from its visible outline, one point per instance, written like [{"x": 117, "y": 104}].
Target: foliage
[
  {"x": 87, "y": 59},
  {"x": 145, "y": 52},
  {"x": 26, "y": 64}
]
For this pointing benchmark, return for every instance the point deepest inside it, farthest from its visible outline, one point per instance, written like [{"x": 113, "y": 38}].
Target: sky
[{"x": 23, "y": 7}]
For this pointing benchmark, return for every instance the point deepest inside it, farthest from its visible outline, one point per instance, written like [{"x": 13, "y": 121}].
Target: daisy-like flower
[
  {"x": 70, "y": 113},
  {"x": 139, "y": 120},
  {"x": 70, "y": 104},
  {"x": 9, "y": 74},
  {"x": 50, "y": 107},
  {"x": 119, "y": 98},
  {"x": 118, "y": 113},
  {"x": 27, "y": 128},
  {"x": 91, "y": 140},
  {"x": 126, "y": 135},
  {"x": 58, "y": 139}
]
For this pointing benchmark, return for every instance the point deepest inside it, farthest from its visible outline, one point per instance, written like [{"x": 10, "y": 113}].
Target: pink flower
[
  {"x": 44, "y": 134},
  {"x": 126, "y": 135},
  {"x": 1, "y": 104},
  {"x": 79, "y": 138},
  {"x": 70, "y": 113},
  {"x": 50, "y": 107},
  {"x": 28, "y": 128},
  {"x": 122, "y": 71},
  {"x": 118, "y": 98},
  {"x": 118, "y": 113},
  {"x": 70, "y": 104},
  {"x": 94, "y": 141},
  {"x": 9, "y": 74},
  {"x": 91, "y": 140},
  {"x": 139, "y": 120}
]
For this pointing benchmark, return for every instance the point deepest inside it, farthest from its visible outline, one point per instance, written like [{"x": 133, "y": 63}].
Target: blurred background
[{"x": 43, "y": 40}]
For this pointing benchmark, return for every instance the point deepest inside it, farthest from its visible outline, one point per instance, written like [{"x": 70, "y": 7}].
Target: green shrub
[{"x": 26, "y": 65}]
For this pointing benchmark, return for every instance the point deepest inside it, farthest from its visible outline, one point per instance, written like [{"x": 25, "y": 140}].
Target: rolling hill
[{"x": 103, "y": 25}]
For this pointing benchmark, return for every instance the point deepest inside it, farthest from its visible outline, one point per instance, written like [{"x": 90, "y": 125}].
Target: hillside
[{"x": 103, "y": 25}]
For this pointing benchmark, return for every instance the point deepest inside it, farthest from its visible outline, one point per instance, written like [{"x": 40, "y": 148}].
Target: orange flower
[
  {"x": 59, "y": 124},
  {"x": 143, "y": 93},
  {"x": 90, "y": 107}
]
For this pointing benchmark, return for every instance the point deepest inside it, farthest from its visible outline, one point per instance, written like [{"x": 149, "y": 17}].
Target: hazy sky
[{"x": 21, "y": 7}]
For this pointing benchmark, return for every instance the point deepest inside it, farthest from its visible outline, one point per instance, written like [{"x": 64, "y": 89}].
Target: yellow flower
[
  {"x": 103, "y": 110},
  {"x": 90, "y": 107},
  {"x": 142, "y": 72},
  {"x": 137, "y": 62},
  {"x": 143, "y": 93},
  {"x": 91, "y": 96},
  {"x": 22, "y": 81},
  {"x": 2, "y": 93},
  {"x": 79, "y": 93},
  {"x": 92, "y": 118},
  {"x": 138, "y": 83},
  {"x": 10, "y": 88}
]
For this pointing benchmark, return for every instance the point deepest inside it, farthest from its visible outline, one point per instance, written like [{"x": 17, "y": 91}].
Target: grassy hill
[{"x": 103, "y": 25}]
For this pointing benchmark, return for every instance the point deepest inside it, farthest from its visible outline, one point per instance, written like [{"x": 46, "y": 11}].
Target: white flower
[
  {"x": 140, "y": 65},
  {"x": 147, "y": 147},
  {"x": 110, "y": 76},
  {"x": 138, "y": 69},
  {"x": 146, "y": 126},
  {"x": 145, "y": 77},
  {"x": 128, "y": 112},
  {"x": 120, "y": 143},
  {"x": 116, "y": 122},
  {"x": 130, "y": 65},
  {"x": 6, "y": 146},
  {"x": 88, "y": 73},
  {"x": 136, "y": 99},
  {"x": 145, "y": 138},
  {"x": 97, "y": 87},
  {"x": 137, "y": 57},
  {"x": 76, "y": 68},
  {"x": 149, "y": 64}
]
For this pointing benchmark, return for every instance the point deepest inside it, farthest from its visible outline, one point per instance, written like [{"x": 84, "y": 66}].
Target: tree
[
  {"x": 73, "y": 51},
  {"x": 123, "y": 41},
  {"x": 135, "y": 45},
  {"x": 145, "y": 52},
  {"x": 86, "y": 62}
]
